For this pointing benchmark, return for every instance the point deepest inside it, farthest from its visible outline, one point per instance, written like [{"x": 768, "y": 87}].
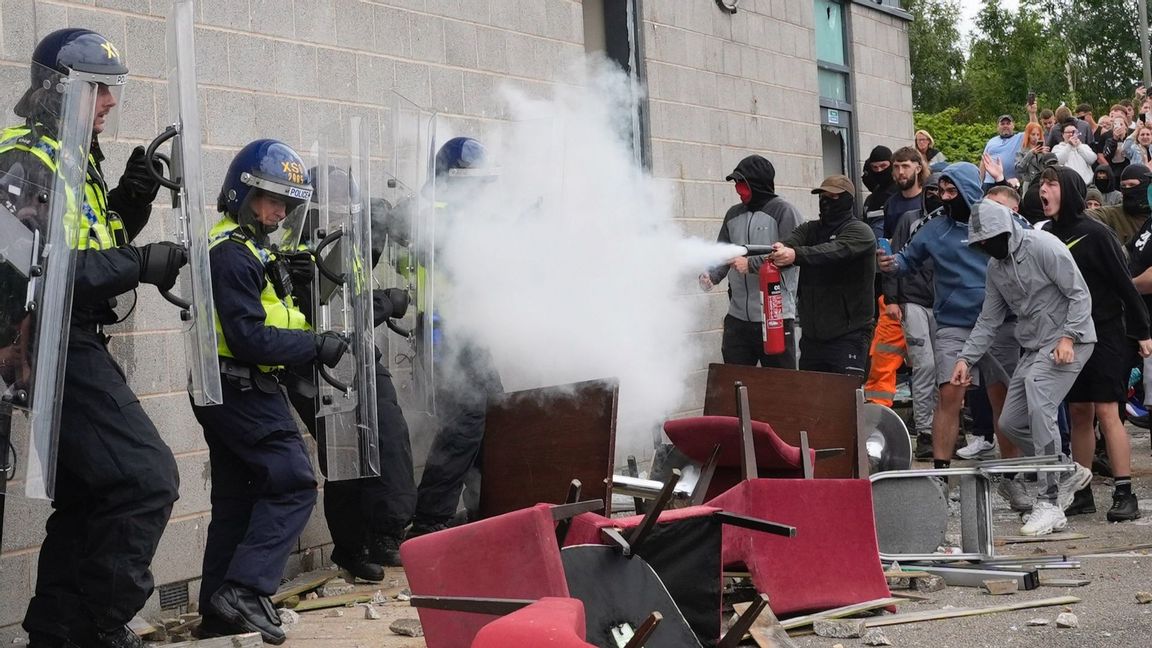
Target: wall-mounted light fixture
[{"x": 728, "y": 5}]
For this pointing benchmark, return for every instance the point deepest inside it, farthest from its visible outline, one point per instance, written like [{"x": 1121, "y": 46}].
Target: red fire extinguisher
[{"x": 772, "y": 301}]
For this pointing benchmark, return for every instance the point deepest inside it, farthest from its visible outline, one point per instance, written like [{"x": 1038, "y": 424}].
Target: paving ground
[{"x": 1108, "y": 614}]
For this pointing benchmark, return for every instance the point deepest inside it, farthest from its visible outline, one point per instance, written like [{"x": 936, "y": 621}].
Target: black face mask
[
  {"x": 995, "y": 247},
  {"x": 958, "y": 209},
  {"x": 873, "y": 180},
  {"x": 835, "y": 207},
  {"x": 1104, "y": 183},
  {"x": 1136, "y": 199},
  {"x": 932, "y": 202}
]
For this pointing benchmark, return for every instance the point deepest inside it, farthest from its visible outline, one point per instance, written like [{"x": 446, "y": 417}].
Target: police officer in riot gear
[
  {"x": 263, "y": 488},
  {"x": 366, "y": 517},
  {"x": 116, "y": 480},
  {"x": 462, "y": 392}
]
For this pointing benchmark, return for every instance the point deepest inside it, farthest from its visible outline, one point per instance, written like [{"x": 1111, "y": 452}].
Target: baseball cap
[
  {"x": 1008, "y": 117},
  {"x": 836, "y": 184}
]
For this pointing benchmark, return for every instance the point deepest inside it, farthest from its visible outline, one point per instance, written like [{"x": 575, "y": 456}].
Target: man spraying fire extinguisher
[{"x": 760, "y": 219}]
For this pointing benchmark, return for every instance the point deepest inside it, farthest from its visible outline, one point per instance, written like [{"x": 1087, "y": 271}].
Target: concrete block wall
[{"x": 882, "y": 73}]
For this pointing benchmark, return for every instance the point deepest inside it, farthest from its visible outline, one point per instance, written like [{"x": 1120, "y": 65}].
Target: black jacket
[{"x": 837, "y": 278}]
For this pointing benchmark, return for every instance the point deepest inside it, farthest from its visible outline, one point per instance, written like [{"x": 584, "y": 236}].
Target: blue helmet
[
  {"x": 76, "y": 53},
  {"x": 462, "y": 156},
  {"x": 271, "y": 167}
]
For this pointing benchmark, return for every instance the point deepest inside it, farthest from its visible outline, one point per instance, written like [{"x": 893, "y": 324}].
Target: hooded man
[
  {"x": 1119, "y": 316},
  {"x": 760, "y": 218},
  {"x": 958, "y": 286},
  {"x": 878, "y": 180},
  {"x": 1127, "y": 218},
  {"x": 835, "y": 294},
  {"x": 1105, "y": 181},
  {"x": 1033, "y": 275}
]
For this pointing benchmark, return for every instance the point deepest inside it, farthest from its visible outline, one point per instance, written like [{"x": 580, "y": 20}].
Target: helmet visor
[
  {"x": 42, "y": 101},
  {"x": 275, "y": 207}
]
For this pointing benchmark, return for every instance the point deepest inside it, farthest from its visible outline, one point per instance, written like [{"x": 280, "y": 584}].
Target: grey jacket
[
  {"x": 1039, "y": 282},
  {"x": 773, "y": 223}
]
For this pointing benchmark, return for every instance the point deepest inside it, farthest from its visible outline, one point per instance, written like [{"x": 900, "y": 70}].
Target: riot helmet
[
  {"x": 79, "y": 56},
  {"x": 462, "y": 165},
  {"x": 266, "y": 188}
]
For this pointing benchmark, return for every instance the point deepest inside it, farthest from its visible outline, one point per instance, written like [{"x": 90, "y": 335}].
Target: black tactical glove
[
  {"x": 301, "y": 266},
  {"x": 137, "y": 181},
  {"x": 388, "y": 303},
  {"x": 160, "y": 263},
  {"x": 330, "y": 347}
]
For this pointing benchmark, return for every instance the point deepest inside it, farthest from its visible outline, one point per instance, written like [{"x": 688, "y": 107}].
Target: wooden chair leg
[
  {"x": 638, "y": 503},
  {"x": 747, "y": 444},
  {"x": 563, "y": 525},
  {"x": 649, "y": 522},
  {"x": 744, "y": 623},
  {"x": 644, "y": 632},
  {"x": 806, "y": 456},
  {"x": 706, "y": 472}
]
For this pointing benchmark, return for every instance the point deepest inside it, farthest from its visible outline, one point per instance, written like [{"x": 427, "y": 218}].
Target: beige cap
[{"x": 836, "y": 184}]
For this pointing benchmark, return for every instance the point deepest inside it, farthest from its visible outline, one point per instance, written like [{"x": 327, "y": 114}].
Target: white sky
[{"x": 968, "y": 11}]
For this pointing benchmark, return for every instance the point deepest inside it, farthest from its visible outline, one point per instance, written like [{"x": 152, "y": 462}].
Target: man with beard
[
  {"x": 878, "y": 180},
  {"x": 958, "y": 284},
  {"x": 1119, "y": 316},
  {"x": 1003, "y": 147},
  {"x": 1127, "y": 218},
  {"x": 1033, "y": 275},
  {"x": 760, "y": 218},
  {"x": 835, "y": 293}
]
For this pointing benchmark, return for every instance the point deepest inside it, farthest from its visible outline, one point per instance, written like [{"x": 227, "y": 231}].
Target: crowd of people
[{"x": 1014, "y": 294}]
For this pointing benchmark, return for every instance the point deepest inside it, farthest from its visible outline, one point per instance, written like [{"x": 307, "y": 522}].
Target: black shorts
[{"x": 1104, "y": 378}]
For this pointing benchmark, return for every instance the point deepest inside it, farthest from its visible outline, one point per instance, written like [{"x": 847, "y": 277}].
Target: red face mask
[{"x": 744, "y": 191}]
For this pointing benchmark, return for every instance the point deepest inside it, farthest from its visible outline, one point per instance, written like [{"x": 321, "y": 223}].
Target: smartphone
[
  {"x": 885, "y": 244},
  {"x": 1031, "y": 98}
]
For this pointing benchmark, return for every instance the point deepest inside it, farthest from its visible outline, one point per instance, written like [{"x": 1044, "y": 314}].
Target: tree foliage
[
  {"x": 936, "y": 58},
  {"x": 959, "y": 142}
]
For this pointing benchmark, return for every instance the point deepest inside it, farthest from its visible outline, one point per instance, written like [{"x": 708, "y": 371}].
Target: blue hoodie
[{"x": 959, "y": 270}]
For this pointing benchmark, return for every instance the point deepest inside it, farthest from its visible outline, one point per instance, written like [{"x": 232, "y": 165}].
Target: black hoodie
[
  {"x": 760, "y": 175},
  {"x": 1098, "y": 255}
]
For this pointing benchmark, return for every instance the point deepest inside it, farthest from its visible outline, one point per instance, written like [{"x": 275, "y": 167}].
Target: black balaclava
[
  {"x": 1072, "y": 190},
  {"x": 835, "y": 210},
  {"x": 997, "y": 246},
  {"x": 878, "y": 181},
  {"x": 760, "y": 175},
  {"x": 958, "y": 208},
  {"x": 932, "y": 200},
  {"x": 1104, "y": 179},
  {"x": 1136, "y": 198}
]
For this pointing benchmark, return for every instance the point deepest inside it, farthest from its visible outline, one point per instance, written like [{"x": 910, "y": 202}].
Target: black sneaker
[
  {"x": 923, "y": 446},
  {"x": 249, "y": 611},
  {"x": 1082, "y": 503},
  {"x": 1125, "y": 507},
  {"x": 120, "y": 637},
  {"x": 1141, "y": 421},
  {"x": 420, "y": 528},
  {"x": 385, "y": 550}
]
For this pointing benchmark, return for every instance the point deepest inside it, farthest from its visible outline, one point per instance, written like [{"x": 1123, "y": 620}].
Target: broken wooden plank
[
  {"x": 912, "y": 596},
  {"x": 326, "y": 602},
  {"x": 1052, "y": 537},
  {"x": 1064, "y": 582},
  {"x": 953, "y": 613},
  {"x": 249, "y": 640},
  {"x": 766, "y": 630},
  {"x": 303, "y": 583},
  {"x": 141, "y": 627},
  {"x": 840, "y": 612}
]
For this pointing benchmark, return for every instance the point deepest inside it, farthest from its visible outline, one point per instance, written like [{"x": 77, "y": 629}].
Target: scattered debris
[
  {"x": 379, "y": 598},
  {"x": 766, "y": 630},
  {"x": 930, "y": 583},
  {"x": 304, "y": 583},
  {"x": 288, "y": 617},
  {"x": 840, "y": 628},
  {"x": 1038, "y": 622},
  {"x": 335, "y": 613},
  {"x": 250, "y": 640},
  {"x": 1064, "y": 582},
  {"x": 1001, "y": 586},
  {"x": 189, "y": 616},
  {"x": 404, "y": 595},
  {"x": 336, "y": 587},
  {"x": 1052, "y": 537},
  {"x": 1144, "y": 598},
  {"x": 1067, "y": 620},
  {"x": 334, "y": 601},
  {"x": 949, "y": 612},
  {"x": 847, "y": 610},
  {"x": 19, "y": 641},
  {"x": 370, "y": 612},
  {"x": 876, "y": 637},
  {"x": 407, "y": 627}
]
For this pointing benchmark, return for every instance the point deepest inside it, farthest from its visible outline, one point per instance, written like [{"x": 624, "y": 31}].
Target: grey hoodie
[{"x": 1039, "y": 282}]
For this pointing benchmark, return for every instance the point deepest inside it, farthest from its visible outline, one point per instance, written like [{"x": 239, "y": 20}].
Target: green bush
[{"x": 958, "y": 142}]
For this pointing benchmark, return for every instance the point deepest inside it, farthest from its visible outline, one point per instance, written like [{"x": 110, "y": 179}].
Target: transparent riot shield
[
  {"x": 342, "y": 297},
  {"x": 409, "y": 258},
  {"x": 42, "y": 217},
  {"x": 188, "y": 204}
]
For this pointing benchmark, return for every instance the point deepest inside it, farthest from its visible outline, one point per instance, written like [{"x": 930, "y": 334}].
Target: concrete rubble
[
  {"x": 407, "y": 627},
  {"x": 840, "y": 628}
]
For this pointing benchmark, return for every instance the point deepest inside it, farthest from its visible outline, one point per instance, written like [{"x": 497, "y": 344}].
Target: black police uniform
[
  {"x": 116, "y": 480},
  {"x": 263, "y": 487}
]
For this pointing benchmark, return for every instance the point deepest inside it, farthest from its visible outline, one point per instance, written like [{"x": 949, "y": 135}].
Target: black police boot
[
  {"x": 923, "y": 446},
  {"x": 38, "y": 640},
  {"x": 249, "y": 611},
  {"x": 1125, "y": 507},
  {"x": 385, "y": 550},
  {"x": 214, "y": 626},
  {"x": 424, "y": 527},
  {"x": 120, "y": 637},
  {"x": 359, "y": 566},
  {"x": 1082, "y": 503}
]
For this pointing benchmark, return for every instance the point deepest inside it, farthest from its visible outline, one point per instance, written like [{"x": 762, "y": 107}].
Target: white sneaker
[
  {"x": 978, "y": 448},
  {"x": 1072, "y": 482},
  {"x": 1045, "y": 519},
  {"x": 1016, "y": 493}
]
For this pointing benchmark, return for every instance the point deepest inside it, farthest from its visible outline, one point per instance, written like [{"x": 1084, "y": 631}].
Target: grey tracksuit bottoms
[{"x": 919, "y": 332}]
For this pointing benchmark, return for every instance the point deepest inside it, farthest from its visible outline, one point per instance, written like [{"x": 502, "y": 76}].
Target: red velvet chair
[
  {"x": 698, "y": 436},
  {"x": 834, "y": 559},
  {"x": 552, "y": 622}
]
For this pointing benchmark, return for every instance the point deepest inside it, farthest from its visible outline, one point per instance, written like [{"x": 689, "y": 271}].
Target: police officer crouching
[
  {"x": 263, "y": 488},
  {"x": 116, "y": 480}
]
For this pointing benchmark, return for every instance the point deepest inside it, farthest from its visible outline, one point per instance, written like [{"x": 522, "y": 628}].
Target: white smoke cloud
[{"x": 567, "y": 267}]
